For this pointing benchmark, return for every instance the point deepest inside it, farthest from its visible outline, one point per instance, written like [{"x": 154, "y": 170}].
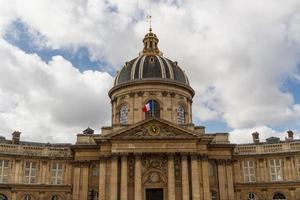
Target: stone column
[
  {"x": 171, "y": 178},
  {"x": 262, "y": 172},
  {"x": 138, "y": 178},
  {"x": 205, "y": 177},
  {"x": 185, "y": 178},
  {"x": 114, "y": 178},
  {"x": 17, "y": 171},
  {"x": 102, "y": 179},
  {"x": 85, "y": 181},
  {"x": 45, "y": 172},
  {"x": 229, "y": 181},
  {"x": 13, "y": 196},
  {"x": 294, "y": 173},
  {"x": 76, "y": 182},
  {"x": 124, "y": 180},
  {"x": 195, "y": 178},
  {"x": 222, "y": 180},
  {"x": 292, "y": 194}
]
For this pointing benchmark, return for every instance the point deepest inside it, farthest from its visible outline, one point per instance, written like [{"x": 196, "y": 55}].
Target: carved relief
[
  {"x": 149, "y": 130},
  {"x": 130, "y": 168},
  {"x": 177, "y": 169},
  {"x": 154, "y": 168},
  {"x": 154, "y": 176}
]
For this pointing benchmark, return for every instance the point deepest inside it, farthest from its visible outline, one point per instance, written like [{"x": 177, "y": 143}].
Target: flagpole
[{"x": 152, "y": 108}]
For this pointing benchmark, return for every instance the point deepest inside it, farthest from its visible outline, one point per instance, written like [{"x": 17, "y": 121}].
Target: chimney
[
  {"x": 255, "y": 137},
  {"x": 16, "y": 137},
  {"x": 290, "y": 135}
]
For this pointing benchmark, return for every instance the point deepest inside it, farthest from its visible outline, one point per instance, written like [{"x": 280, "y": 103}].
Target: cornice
[{"x": 151, "y": 81}]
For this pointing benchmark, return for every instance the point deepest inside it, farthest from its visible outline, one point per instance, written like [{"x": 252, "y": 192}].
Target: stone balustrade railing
[
  {"x": 267, "y": 148},
  {"x": 35, "y": 150}
]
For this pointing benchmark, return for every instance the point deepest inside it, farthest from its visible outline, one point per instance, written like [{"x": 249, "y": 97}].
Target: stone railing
[
  {"x": 267, "y": 148},
  {"x": 35, "y": 150}
]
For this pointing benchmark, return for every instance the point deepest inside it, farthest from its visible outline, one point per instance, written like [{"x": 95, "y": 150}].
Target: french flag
[{"x": 147, "y": 107}]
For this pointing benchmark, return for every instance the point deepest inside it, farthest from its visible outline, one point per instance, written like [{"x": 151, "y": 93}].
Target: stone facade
[{"x": 161, "y": 156}]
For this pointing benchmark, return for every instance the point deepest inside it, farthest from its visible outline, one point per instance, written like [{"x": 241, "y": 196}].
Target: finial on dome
[
  {"x": 150, "y": 22},
  {"x": 150, "y": 42}
]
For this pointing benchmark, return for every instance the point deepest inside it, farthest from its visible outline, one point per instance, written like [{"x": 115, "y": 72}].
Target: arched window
[
  {"x": 278, "y": 196},
  {"x": 152, "y": 109},
  {"x": 27, "y": 197},
  {"x": 251, "y": 196},
  {"x": 3, "y": 197},
  {"x": 214, "y": 195},
  {"x": 180, "y": 115},
  {"x": 123, "y": 115},
  {"x": 54, "y": 197}
]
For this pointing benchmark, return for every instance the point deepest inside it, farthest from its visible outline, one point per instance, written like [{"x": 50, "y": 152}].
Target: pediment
[{"x": 154, "y": 129}]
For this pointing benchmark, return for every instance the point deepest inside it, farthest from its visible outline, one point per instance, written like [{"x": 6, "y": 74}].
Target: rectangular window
[
  {"x": 95, "y": 170},
  {"x": 276, "y": 170},
  {"x": 4, "y": 171},
  {"x": 56, "y": 173},
  {"x": 249, "y": 171},
  {"x": 30, "y": 172}
]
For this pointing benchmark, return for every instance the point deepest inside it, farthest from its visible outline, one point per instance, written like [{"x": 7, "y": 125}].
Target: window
[
  {"x": 278, "y": 196},
  {"x": 30, "y": 172},
  {"x": 154, "y": 109},
  {"x": 251, "y": 196},
  {"x": 56, "y": 174},
  {"x": 276, "y": 170},
  {"x": 54, "y": 197},
  {"x": 96, "y": 196},
  {"x": 95, "y": 170},
  {"x": 27, "y": 197},
  {"x": 214, "y": 195},
  {"x": 4, "y": 171},
  {"x": 249, "y": 171},
  {"x": 93, "y": 195},
  {"x": 180, "y": 115},
  {"x": 123, "y": 115},
  {"x": 211, "y": 169},
  {"x": 3, "y": 197}
]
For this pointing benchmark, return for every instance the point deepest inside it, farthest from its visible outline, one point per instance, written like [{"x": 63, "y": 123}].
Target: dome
[
  {"x": 147, "y": 67},
  {"x": 151, "y": 65}
]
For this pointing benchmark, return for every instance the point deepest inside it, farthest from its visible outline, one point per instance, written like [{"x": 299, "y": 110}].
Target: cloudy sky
[{"x": 58, "y": 59}]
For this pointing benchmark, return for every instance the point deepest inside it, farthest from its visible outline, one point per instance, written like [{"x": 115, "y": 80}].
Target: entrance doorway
[{"x": 154, "y": 194}]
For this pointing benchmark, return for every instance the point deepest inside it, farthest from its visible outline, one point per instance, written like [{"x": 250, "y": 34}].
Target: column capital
[{"x": 204, "y": 157}]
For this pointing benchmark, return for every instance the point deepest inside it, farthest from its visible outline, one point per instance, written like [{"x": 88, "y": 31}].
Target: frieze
[{"x": 155, "y": 129}]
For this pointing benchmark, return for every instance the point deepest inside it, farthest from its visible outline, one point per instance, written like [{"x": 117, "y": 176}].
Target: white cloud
[
  {"x": 245, "y": 135},
  {"x": 237, "y": 55},
  {"x": 49, "y": 102}
]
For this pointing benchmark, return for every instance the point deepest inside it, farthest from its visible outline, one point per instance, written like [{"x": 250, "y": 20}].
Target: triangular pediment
[{"x": 154, "y": 129}]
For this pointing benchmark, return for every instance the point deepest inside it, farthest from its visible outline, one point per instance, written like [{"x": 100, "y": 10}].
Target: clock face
[{"x": 154, "y": 130}]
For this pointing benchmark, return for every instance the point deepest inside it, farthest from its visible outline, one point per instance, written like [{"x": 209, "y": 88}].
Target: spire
[
  {"x": 150, "y": 23},
  {"x": 150, "y": 41}
]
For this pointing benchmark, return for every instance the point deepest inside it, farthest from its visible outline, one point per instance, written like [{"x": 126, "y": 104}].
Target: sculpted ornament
[
  {"x": 155, "y": 129},
  {"x": 158, "y": 162}
]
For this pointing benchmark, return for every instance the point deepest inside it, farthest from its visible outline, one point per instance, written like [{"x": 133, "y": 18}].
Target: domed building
[{"x": 151, "y": 151}]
